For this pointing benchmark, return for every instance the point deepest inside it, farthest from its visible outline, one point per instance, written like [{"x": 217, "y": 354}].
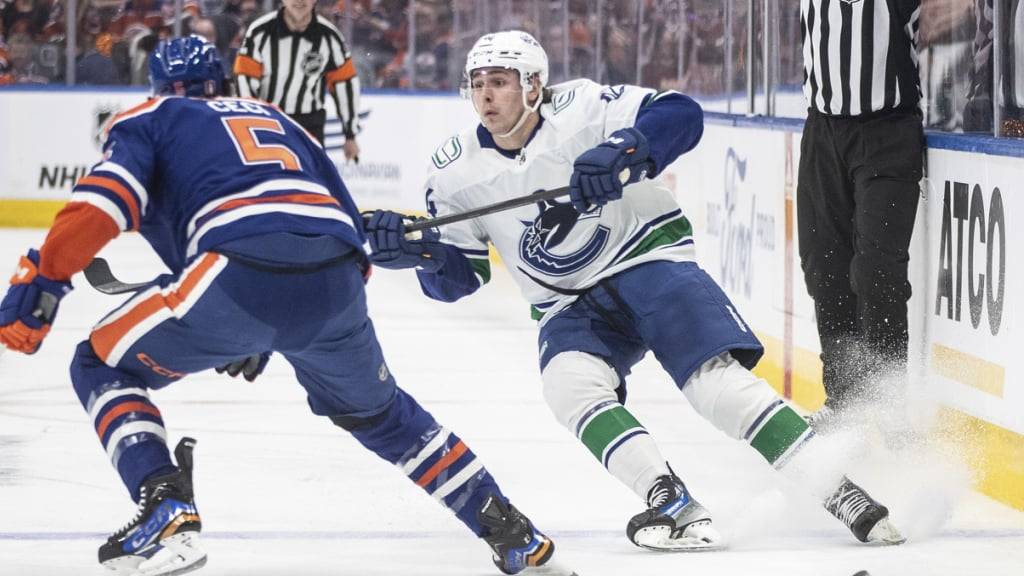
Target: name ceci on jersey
[{"x": 247, "y": 106}]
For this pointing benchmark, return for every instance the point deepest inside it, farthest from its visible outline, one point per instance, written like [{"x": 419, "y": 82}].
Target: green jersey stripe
[
  {"x": 605, "y": 427},
  {"x": 668, "y": 233},
  {"x": 779, "y": 433}
]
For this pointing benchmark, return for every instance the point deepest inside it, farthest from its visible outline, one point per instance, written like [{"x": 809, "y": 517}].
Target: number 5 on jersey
[{"x": 243, "y": 131}]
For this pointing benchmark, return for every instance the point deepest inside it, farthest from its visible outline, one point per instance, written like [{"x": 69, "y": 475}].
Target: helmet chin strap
[{"x": 522, "y": 117}]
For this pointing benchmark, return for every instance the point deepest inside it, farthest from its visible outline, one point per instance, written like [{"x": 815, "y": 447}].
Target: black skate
[
  {"x": 867, "y": 519},
  {"x": 518, "y": 547},
  {"x": 674, "y": 521},
  {"x": 163, "y": 538}
]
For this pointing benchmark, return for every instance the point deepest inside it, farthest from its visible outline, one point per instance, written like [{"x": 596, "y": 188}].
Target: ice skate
[
  {"x": 674, "y": 521},
  {"x": 163, "y": 538},
  {"x": 518, "y": 547},
  {"x": 867, "y": 519}
]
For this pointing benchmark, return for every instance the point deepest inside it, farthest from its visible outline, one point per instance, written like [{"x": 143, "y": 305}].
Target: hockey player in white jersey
[{"x": 609, "y": 275}]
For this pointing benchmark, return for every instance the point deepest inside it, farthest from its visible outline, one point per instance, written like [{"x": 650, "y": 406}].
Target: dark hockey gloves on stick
[
  {"x": 393, "y": 246},
  {"x": 600, "y": 173},
  {"x": 31, "y": 303}
]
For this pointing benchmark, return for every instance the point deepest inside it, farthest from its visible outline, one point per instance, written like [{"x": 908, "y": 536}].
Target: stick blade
[{"x": 100, "y": 277}]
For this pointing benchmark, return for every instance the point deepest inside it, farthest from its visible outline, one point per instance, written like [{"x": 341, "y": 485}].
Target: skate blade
[
  {"x": 124, "y": 565},
  {"x": 129, "y": 566},
  {"x": 658, "y": 538},
  {"x": 885, "y": 534},
  {"x": 178, "y": 554},
  {"x": 550, "y": 568}
]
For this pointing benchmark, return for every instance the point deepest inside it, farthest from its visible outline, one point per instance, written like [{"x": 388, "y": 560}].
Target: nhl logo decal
[
  {"x": 102, "y": 115},
  {"x": 312, "y": 63}
]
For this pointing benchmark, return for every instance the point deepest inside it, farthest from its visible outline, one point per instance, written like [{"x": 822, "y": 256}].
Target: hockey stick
[
  {"x": 102, "y": 279},
  {"x": 539, "y": 196},
  {"x": 509, "y": 204}
]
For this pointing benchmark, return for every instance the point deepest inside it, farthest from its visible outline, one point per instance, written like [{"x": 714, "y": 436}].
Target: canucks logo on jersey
[{"x": 549, "y": 246}]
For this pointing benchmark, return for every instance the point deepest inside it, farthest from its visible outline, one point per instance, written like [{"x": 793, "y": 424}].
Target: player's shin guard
[
  {"x": 746, "y": 408},
  {"x": 580, "y": 389},
  {"x": 163, "y": 537},
  {"x": 433, "y": 457},
  {"x": 439, "y": 462},
  {"x": 127, "y": 423}
]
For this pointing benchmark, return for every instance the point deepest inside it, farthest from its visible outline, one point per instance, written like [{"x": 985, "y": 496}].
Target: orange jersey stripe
[
  {"x": 246, "y": 66},
  {"x": 78, "y": 233},
  {"x": 174, "y": 299},
  {"x": 122, "y": 193},
  {"x": 104, "y": 339},
  {"x": 346, "y": 71},
  {"x": 428, "y": 476},
  {"x": 120, "y": 409},
  {"x": 289, "y": 198}
]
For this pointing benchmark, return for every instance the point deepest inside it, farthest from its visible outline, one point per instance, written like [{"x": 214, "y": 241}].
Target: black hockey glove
[
  {"x": 250, "y": 368},
  {"x": 599, "y": 174},
  {"x": 390, "y": 248}
]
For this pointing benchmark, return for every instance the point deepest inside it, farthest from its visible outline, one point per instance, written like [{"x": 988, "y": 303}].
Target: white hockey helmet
[{"x": 513, "y": 49}]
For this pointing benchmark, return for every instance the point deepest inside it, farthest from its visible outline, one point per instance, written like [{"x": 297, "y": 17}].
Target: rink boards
[{"x": 738, "y": 188}]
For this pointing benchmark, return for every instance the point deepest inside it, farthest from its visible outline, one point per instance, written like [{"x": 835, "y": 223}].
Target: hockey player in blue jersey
[
  {"x": 266, "y": 250},
  {"x": 611, "y": 275}
]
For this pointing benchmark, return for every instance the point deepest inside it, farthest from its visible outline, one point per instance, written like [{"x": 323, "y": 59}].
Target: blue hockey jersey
[{"x": 190, "y": 174}]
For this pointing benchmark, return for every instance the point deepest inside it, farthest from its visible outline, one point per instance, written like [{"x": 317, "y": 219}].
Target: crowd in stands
[
  {"x": 682, "y": 44},
  {"x": 115, "y": 36}
]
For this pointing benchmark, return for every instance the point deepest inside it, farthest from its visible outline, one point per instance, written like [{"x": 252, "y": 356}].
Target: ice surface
[{"x": 284, "y": 492}]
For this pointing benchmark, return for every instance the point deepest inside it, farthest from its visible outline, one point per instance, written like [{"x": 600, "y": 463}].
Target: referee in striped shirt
[
  {"x": 861, "y": 161},
  {"x": 291, "y": 57}
]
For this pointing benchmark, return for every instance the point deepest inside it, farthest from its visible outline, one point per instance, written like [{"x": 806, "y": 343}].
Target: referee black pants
[
  {"x": 313, "y": 122},
  {"x": 856, "y": 204}
]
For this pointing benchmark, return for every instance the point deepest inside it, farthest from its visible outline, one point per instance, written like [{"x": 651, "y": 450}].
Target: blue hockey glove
[
  {"x": 600, "y": 173},
  {"x": 250, "y": 368},
  {"x": 391, "y": 249},
  {"x": 28, "y": 309}
]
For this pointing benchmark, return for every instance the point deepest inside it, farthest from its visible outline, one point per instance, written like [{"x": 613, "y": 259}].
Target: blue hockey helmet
[{"x": 186, "y": 66}]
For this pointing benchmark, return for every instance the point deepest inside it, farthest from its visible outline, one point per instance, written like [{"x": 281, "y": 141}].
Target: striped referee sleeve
[
  {"x": 342, "y": 81},
  {"x": 248, "y": 67}
]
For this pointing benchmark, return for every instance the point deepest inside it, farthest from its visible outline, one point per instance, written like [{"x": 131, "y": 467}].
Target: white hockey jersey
[{"x": 550, "y": 249}]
